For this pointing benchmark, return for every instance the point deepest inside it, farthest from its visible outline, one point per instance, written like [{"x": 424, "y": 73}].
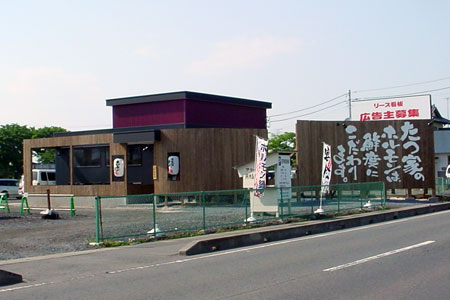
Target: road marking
[
  {"x": 46, "y": 283},
  {"x": 248, "y": 249},
  {"x": 26, "y": 287},
  {"x": 361, "y": 261}
]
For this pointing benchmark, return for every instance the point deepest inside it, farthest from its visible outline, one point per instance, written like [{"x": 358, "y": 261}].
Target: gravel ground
[{"x": 30, "y": 235}]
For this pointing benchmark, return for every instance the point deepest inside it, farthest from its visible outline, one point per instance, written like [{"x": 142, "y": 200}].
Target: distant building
[{"x": 442, "y": 151}]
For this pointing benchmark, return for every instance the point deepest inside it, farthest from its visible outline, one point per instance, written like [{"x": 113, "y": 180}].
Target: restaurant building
[{"x": 161, "y": 143}]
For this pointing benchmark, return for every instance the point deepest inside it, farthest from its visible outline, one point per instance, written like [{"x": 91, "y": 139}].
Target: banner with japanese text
[
  {"x": 327, "y": 166},
  {"x": 259, "y": 183}
]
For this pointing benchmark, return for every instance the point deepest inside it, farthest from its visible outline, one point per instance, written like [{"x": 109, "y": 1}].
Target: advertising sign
[
  {"x": 399, "y": 153},
  {"x": 283, "y": 176},
  {"x": 405, "y": 108},
  {"x": 327, "y": 166},
  {"x": 259, "y": 183}
]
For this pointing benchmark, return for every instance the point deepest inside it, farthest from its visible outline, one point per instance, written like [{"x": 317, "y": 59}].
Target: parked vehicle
[
  {"x": 22, "y": 186},
  {"x": 10, "y": 187},
  {"x": 44, "y": 177},
  {"x": 447, "y": 172}
]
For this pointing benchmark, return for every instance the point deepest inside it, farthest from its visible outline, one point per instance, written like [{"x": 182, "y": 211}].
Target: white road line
[
  {"x": 249, "y": 249},
  {"x": 361, "y": 261},
  {"x": 26, "y": 287},
  {"x": 239, "y": 250},
  {"x": 45, "y": 283}
]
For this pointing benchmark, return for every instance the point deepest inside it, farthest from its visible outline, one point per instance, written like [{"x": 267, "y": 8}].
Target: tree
[
  {"x": 11, "y": 146},
  {"x": 47, "y": 156},
  {"x": 284, "y": 141},
  {"x": 46, "y": 132},
  {"x": 11, "y": 157}
]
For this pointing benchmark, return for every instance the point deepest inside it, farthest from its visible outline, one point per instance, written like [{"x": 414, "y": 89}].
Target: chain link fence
[
  {"x": 134, "y": 216},
  {"x": 443, "y": 186}
]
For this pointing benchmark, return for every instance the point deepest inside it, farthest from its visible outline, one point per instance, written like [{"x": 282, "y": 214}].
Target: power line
[
  {"x": 403, "y": 95},
  {"x": 400, "y": 86},
  {"x": 295, "y": 111},
  {"x": 308, "y": 113}
]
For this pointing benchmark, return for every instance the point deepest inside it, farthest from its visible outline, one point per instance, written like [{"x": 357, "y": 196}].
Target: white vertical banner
[
  {"x": 327, "y": 166},
  {"x": 259, "y": 183}
]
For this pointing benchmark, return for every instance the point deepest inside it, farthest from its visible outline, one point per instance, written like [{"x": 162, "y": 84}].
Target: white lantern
[
  {"x": 173, "y": 165},
  {"x": 118, "y": 167}
]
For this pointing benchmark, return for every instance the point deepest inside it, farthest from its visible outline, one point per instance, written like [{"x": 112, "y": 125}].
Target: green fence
[
  {"x": 443, "y": 186},
  {"x": 154, "y": 214}
]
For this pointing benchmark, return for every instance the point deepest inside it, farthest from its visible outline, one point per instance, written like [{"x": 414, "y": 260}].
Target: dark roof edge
[
  {"x": 119, "y": 130},
  {"x": 187, "y": 95}
]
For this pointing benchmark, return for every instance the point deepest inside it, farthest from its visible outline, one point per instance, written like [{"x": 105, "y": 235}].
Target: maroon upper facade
[{"x": 188, "y": 110}]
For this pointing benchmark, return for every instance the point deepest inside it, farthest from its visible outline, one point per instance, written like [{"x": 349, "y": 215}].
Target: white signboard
[
  {"x": 405, "y": 108},
  {"x": 327, "y": 165},
  {"x": 283, "y": 176}
]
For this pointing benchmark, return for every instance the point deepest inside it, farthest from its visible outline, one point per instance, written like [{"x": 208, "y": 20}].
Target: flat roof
[{"x": 189, "y": 96}]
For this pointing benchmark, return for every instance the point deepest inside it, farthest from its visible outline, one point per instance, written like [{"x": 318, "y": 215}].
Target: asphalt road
[{"x": 402, "y": 259}]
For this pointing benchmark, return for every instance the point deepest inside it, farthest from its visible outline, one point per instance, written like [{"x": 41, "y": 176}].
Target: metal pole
[
  {"x": 350, "y": 104},
  {"x": 245, "y": 204},
  {"x": 48, "y": 200},
  {"x": 154, "y": 215},
  {"x": 72, "y": 206},
  {"x": 204, "y": 210},
  {"x": 97, "y": 220},
  {"x": 339, "y": 197},
  {"x": 282, "y": 202}
]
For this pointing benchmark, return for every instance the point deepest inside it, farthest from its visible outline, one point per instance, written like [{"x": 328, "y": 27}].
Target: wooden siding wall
[
  {"x": 114, "y": 188},
  {"x": 207, "y": 157},
  {"x": 311, "y": 134}
]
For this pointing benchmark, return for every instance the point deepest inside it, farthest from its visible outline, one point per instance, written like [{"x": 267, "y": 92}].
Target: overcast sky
[{"x": 60, "y": 60}]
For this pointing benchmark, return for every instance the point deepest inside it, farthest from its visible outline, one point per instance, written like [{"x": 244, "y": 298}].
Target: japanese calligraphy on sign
[
  {"x": 327, "y": 166},
  {"x": 364, "y": 154},
  {"x": 399, "y": 153},
  {"x": 406, "y": 108},
  {"x": 259, "y": 183}
]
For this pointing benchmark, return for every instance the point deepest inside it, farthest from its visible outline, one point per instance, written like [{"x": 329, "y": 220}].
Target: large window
[
  {"x": 91, "y": 165},
  {"x": 87, "y": 157}
]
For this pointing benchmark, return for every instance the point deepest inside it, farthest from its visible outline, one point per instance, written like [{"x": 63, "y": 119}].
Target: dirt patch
[{"x": 30, "y": 235}]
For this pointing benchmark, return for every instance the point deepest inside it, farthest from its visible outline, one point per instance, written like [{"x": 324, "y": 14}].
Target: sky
[{"x": 60, "y": 60}]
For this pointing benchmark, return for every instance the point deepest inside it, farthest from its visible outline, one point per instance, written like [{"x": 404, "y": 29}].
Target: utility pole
[
  {"x": 350, "y": 104},
  {"x": 448, "y": 115}
]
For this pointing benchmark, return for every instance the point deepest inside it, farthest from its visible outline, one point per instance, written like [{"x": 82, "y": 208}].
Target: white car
[
  {"x": 22, "y": 186},
  {"x": 447, "y": 172},
  {"x": 10, "y": 187}
]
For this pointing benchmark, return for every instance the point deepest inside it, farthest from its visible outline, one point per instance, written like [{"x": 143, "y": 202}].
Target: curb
[
  {"x": 288, "y": 231},
  {"x": 7, "y": 278}
]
